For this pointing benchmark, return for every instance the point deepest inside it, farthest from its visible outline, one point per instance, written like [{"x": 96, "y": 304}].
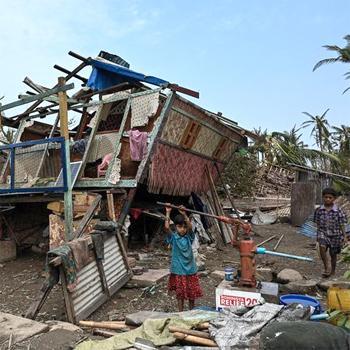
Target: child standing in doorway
[
  {"x": 330, "y": 221},
  {"x": 183, "y": 278}
]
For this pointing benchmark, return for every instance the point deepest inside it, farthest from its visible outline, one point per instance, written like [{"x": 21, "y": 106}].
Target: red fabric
[
  {"x": 178, "y": 173},
  {"x": 185, "y": 287},
  {"x": 135, "y": 213}
]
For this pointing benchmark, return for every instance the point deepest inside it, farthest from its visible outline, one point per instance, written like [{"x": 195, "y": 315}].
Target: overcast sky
[{"x": 251, "y": 60}]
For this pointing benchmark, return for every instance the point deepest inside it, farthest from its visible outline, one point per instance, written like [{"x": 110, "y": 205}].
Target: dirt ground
[{"x": 21, "y": 280}]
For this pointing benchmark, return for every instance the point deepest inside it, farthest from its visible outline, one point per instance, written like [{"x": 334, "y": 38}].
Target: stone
[
  {"x": 218, "y": 274},
  {"x": 1, "y": 266},
  {"x": 20, "y": 328},
  {"x": 149, "y": 278},
  {"x": 301, "y": 287},
  {"x": 289, "y": 275},
  {"x": 203, "y": 273},
  {"x": 264, "y": 274},
  {"x": 325, "y": 284},
  {"x": 201, "y": 266},
  {"x": 211, "y": 249},
  {"x": 137, "y": 270},
  {"x": 54, "y": 325}
]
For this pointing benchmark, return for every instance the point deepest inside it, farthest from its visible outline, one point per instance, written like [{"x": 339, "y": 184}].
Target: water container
[
  {"x": 338, "y": 298},
  {"x": 304, "y": 300},
  {"x": 229, "y": 273}
]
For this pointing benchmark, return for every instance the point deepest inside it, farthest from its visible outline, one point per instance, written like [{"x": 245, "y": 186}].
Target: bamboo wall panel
[
  {"x": 174, "y": 128},
  {"x": 206, "y": 142}
]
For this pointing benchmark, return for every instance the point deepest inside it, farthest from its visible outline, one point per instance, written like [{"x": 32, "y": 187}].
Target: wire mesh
[{"x": 33, "y": 165}]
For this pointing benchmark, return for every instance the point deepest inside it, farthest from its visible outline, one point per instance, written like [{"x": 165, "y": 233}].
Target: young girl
[{"x": 183, "y": 278}]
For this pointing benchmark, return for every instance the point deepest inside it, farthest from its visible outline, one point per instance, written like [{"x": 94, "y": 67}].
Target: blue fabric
[
  {"x": 105, "y": 75},
  {"x": 182, "y": 258}
]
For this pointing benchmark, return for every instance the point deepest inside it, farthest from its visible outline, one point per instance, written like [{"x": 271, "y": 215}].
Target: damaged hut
[{"x": 136, "y": 140}]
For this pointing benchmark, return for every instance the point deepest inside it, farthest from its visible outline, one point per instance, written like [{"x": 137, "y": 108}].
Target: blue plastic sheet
[{"x": 105, "y": 75}]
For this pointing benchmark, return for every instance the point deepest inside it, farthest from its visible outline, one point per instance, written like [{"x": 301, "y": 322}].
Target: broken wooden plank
[
  {"x": 37, "y": 97},
  {"x": 35, "y": 307},
  {"x": 87, "y": 217}
]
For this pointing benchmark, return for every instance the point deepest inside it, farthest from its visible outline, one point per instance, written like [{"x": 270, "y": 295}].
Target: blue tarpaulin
[{"x": 105, "y": 75}]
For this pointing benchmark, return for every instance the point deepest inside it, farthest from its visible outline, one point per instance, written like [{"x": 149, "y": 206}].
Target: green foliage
[
  {"x": 343, "y": 56},
  {"x": 240, "y": 173}
]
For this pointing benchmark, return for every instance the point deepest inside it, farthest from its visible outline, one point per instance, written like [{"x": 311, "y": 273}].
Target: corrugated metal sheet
[
  {"x": 113, "y": 265},
  {"x": 88, "y": 292}
]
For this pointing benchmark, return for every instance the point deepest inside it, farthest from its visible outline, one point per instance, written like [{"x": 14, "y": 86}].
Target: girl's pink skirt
[{"x": 185, "y": 286}]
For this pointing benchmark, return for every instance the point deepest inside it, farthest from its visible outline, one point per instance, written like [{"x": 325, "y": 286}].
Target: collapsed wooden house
[{"x": 129, "y": 138}]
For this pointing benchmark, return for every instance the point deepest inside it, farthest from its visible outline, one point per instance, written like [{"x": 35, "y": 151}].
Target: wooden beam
[
  {"x": 67, "y": 297},
  {"x": 155, "y": 135},
  {"x": 112, "y": 89},
  {"x": 64, "y": 70},
  {"x": 77, "y": 56},
  {"x": 183, "y": 90},
  {"x": 87, "y": 217},
  {"x": 37, "y": 103},
  {"x": 63, "y": 110},
  {"x": 37, "y": 97},
  {"x": 34, "y": 86},
  {"x": 68, "y": 196}
]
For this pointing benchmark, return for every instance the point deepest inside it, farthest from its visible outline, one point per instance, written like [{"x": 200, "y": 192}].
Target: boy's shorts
[{"x": 333, "y": 243}]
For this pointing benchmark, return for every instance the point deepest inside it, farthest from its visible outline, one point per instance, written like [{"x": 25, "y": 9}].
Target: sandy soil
[{"x": 21, "y": 280}]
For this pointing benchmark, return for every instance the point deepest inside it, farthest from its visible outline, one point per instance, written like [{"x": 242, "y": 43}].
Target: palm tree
[
  {"x": 320, "y": 130},
  {"x": 341, "y": 136},
  {"x": 343, "y": 54}
]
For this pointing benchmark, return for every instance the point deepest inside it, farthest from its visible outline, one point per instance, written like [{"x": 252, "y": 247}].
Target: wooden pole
[
  {"x": 194, "y": 340},
  {"x": 105, "y": 324},
  {"x": 278, "y": 242},
  {"x": 68, "y": 195},
  {"x": 266, "y": 240},
  {"x": 200, "y": 334}
]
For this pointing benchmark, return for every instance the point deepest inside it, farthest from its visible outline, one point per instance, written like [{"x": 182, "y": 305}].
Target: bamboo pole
[
  {"x": 115, "y": 325},
  {"x": 266, "y": 240},
  {"x": 103, "y": 333},
  {"x": 204, "y": 325},
  {"x": 278, "y": 242},
  {"x": 193, "y": 339},
  {"x": 200, "y": 334}
]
